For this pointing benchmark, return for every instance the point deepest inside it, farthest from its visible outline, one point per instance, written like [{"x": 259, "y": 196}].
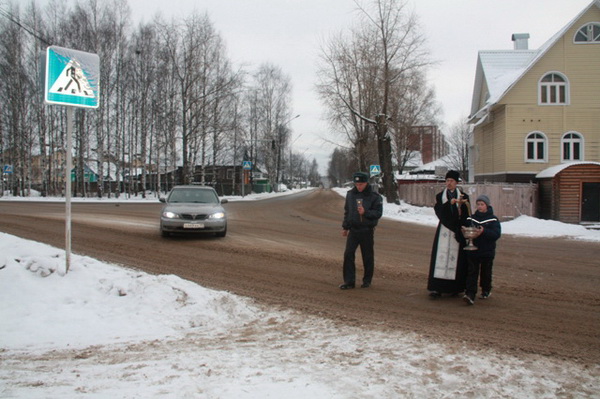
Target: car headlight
[
  {"x": 217, "y": 215},
  {"x": 170, "y": 215}
]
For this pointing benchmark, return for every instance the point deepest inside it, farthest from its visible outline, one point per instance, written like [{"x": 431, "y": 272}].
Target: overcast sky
[{"x": 289, "y": 33}]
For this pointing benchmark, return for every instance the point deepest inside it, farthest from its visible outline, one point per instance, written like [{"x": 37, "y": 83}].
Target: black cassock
[{"x": 448, "y": 266}]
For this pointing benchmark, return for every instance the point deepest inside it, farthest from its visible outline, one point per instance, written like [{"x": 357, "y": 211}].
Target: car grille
[{"x": 193, "y": 216}]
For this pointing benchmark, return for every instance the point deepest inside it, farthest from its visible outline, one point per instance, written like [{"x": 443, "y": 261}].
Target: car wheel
[{"x": 164, "y": 233}]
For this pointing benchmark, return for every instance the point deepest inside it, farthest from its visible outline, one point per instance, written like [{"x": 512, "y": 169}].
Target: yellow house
[{"x": 535, "y": 109}]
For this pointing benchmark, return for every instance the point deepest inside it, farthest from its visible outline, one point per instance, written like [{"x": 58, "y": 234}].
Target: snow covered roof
[
  {"x": 554, "y": 170},
  {"x": 500, "y": 70},
  {"x": 415, "y": 160},
  {"x": 417, "y": 177},
  {"x": 443, "y": 161}
]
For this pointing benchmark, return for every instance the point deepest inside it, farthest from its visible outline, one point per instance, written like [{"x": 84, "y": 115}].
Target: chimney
[{"x": 521, "y": 41}]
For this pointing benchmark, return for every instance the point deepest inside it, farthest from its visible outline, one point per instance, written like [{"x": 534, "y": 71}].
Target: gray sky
[{"x": 289, "y": 33}]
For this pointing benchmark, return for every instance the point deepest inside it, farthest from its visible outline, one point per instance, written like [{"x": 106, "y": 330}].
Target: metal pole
[
  {"x": 69, "y": 167},
  {"x": 243, "y": 174}
]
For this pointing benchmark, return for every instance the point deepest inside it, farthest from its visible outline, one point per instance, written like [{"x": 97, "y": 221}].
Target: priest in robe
[{"x": 448, "y": 266}]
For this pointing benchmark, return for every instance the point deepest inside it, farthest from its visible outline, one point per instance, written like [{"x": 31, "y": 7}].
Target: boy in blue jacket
[{"x": 482, "y": 259}]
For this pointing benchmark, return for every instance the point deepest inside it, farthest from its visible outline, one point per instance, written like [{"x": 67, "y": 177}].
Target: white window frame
[
  {"x": 536, "y": 141},
  {"x": 550, "y": 86},
  {"x": 571, "y": 142},
  {"x": 588, "y": 32}
]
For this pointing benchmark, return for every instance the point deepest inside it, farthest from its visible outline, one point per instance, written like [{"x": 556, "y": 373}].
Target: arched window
[
  {"x": 554, "y": 89},
  {"x": 572, "y": 147},
  {"x": 589, "y": 33},
  {"x": 535, "y": 147}
]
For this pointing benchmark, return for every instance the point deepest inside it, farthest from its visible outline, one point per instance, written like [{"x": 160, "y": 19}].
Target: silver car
[{"x": 193, "y": 209}]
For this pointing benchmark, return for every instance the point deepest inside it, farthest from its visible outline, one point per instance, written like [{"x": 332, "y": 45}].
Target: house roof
[
  {"x": 554, "y": 170},
  {"x": 500, "y": 70}
]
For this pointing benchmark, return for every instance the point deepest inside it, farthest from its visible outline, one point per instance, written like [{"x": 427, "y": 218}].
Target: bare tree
[
  {"x": 341, "y": 166},
  {"x": 14, "y": 95},
  {"x": 391, "y": 48},
  {"x": 169, "y": 95},
  {"x": 314, "y": 178},
  {"x": 273, "y": 91},
  {"x": 346, "y": 82},
  {"x": 205, "y": 79},
  {"x": 459, "y": 139},
  {"x": 412, "y": 104}
]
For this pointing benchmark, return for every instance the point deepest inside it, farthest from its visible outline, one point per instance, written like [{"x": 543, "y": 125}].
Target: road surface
[{"x": 287, "y": 252}]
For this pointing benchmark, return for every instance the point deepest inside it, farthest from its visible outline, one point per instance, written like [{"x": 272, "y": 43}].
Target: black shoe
[
  {"x": 346, "y": 286},
  {"x": 435, "y": 294},
  {"x": 485, "y": 295},
  {"x": 470, "y": 300},
  {"x": 365, "y": 285}
]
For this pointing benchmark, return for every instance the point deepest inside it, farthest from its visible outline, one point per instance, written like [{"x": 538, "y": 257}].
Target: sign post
[
  {"x": 68, "y": 189},
  {"x": 246, "y": 166},
  {"x": 72, "y": 79}
]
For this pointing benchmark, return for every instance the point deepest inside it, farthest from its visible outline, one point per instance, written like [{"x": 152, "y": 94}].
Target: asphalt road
[{"x": 287, "y": 252}]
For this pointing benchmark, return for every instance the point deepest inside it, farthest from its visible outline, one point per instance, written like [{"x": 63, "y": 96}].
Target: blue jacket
[
  {"x": 486, "y": 243},
  {"x": 371, "y": 201}
]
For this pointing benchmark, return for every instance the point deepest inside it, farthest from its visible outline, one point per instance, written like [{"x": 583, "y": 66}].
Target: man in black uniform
[{"x": 362, "y": 211}]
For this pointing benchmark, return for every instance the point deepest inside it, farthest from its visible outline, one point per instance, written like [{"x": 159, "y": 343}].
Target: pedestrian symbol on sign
[
  {"x": 375, "y": 170},
  {"x": 72, "y": 81}
]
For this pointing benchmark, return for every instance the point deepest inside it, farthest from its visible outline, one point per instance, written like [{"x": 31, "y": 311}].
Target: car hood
[{"x": 193, "y": 208}]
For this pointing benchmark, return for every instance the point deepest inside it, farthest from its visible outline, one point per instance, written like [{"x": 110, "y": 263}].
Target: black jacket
[
  {"x": 372, "y": 203},
  {"x": 449, "y": 215},
  {"x": 486, "y": 243}
]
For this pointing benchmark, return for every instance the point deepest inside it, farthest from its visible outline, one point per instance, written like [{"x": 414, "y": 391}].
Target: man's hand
[
  {"x": 344, "y": 233},
  {"x": 361, "y": 210}
]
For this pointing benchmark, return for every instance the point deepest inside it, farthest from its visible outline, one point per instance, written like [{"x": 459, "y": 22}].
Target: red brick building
[{"x": 429, "y": 141}]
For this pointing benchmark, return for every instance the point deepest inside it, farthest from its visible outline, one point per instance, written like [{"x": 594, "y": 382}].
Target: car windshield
[{"x": 194, "y": 196}]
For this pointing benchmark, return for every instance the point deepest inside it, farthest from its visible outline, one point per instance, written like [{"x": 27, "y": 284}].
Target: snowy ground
[{"x": 104, "y": 331}]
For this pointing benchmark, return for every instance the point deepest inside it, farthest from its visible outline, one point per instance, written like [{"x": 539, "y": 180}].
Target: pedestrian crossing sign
[
  {"x": 246, "y": 165},
  {"x": 375, "y": 170},
  {"x": 72, "y": 78}
]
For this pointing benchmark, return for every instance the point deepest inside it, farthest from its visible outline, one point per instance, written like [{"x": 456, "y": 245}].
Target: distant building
[{"x": 429, "y": 141}]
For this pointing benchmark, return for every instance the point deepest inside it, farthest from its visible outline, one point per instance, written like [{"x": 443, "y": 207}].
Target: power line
[{"x": 31, "y": 31}]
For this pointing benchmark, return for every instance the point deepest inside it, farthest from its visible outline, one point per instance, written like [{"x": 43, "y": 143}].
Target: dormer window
[
  {"x": 553, "y": 89},
  {"x": 589, "y": 33}
]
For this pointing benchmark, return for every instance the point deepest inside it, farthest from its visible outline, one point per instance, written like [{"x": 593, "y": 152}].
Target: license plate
[{"x": 193, "y": 225}]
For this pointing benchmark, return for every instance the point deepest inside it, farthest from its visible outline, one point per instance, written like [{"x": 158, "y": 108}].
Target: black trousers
[
  {"x": 475, "y": 266},
  {"x": 364, "y": 239}
]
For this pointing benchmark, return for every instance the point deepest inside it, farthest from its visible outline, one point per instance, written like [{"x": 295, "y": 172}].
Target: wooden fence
[{"x": 508, "y": 200}]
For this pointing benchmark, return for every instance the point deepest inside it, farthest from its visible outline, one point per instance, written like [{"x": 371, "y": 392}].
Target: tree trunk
[{"x": 385, "y": 158}]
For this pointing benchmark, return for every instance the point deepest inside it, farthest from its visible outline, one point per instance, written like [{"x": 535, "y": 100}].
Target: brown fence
[{"x": 508, "y": 200}]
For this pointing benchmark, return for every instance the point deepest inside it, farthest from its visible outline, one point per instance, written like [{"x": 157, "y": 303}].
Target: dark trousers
[
  {"x": 364, "y": 239},
  {"x": 475, "y": 266}
]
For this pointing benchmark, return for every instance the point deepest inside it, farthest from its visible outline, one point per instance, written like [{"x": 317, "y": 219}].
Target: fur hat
[
  {"x": 360, "y": 177},
  {"x": 484, "y": 198},
  {"x": 452, "y": 174}
]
